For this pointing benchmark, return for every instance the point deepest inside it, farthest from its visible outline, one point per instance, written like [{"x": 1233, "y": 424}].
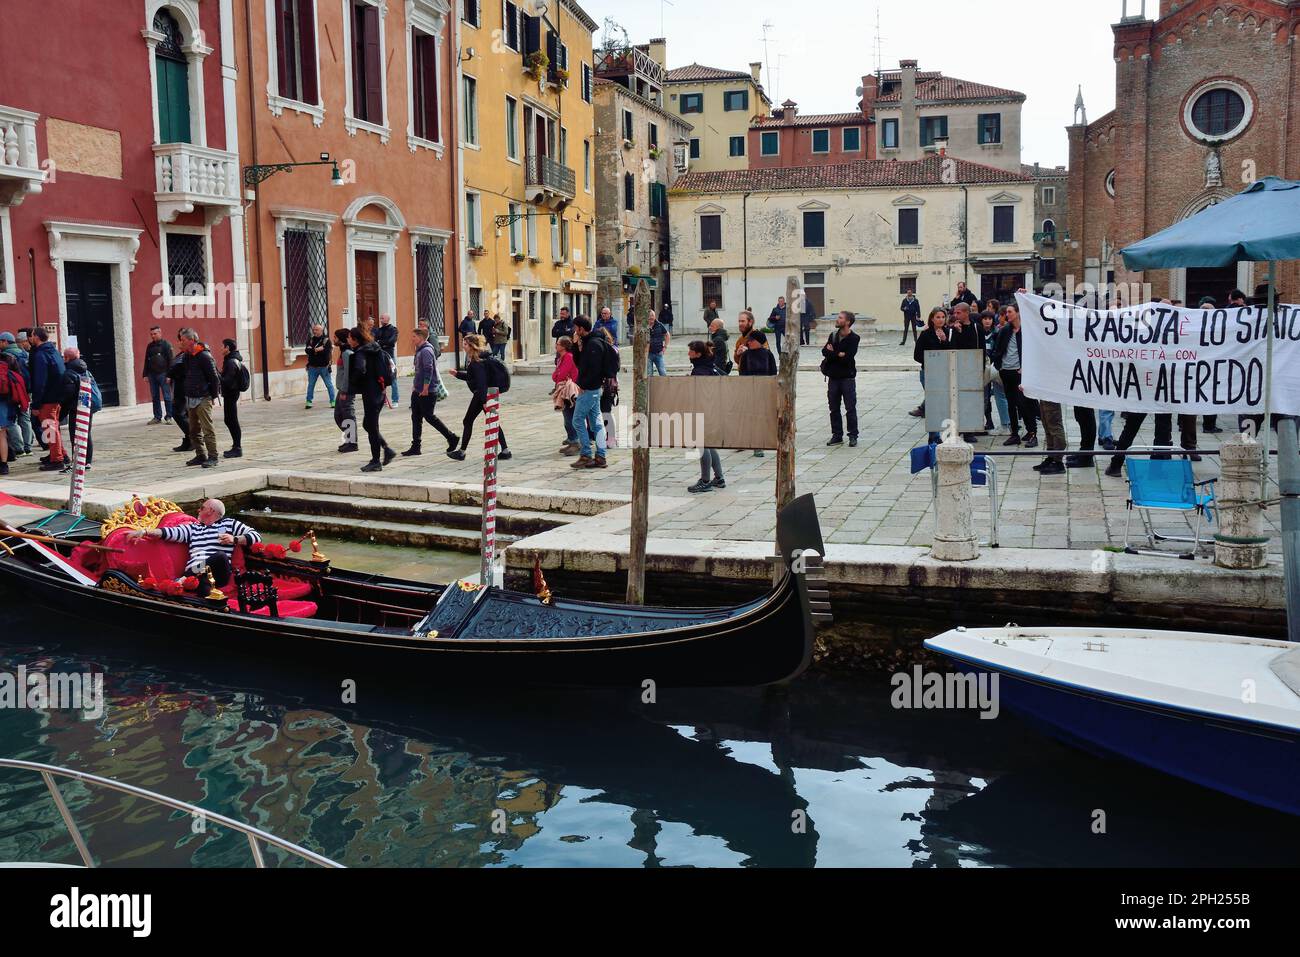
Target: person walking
[
  {"x": 366, "y": 378},
  {"x": 839, "y": 366},
  {"x": 424, "y": 393},
  {"x": 718, "y": 343},
  {"x": 565, "y": 392},
  {"x": 176, "y": 375},
  {"x": 235, "y": 379},
  {"x": 911, "y": 310},
  {"x": 46, "y": 368},
  {"x": 483, "y": 372},
  {"x": 666, "y": 315},
  {"x": 609, "y": 392},
  {"x": 659, "y": 339},
  {"x": 467, "y": 327},
  {"x": 14, "y": 399},
  {"x": 500, "y": 336},
  {"x": 607, "y": 322},
  {"x": 701, "y": 355},
  {"x": 485, "y": 326},
  {"x": 157, "y": 360},
  {"x": 776, "y": 320},
  {"x": 320, "y": 352},
  {"x": 20, "y": 424},
  {"x": 75, "y": 370},
  {"x": 386, "y": 338},
  {"x": 201, "y": 389},
  {"x": 710, "y": 312},
  {"x": 1007, "y": 360},
  {"x": 344, "y": 408},
  {"x": 594, "y": 363}
]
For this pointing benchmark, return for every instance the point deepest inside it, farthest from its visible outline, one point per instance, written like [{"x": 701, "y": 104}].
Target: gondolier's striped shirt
[{"x": 202, "y": 539}]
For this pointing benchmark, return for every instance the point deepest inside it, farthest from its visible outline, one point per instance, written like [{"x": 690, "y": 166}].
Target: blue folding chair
[
  {"x": 1166, "y": 485},
  {"x": 983, "y": 471}
]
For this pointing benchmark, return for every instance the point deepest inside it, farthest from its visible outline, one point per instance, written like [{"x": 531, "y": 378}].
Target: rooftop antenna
[
  {"x": 661, "y": 14},
  {"x": 878, "y": 43},
  {"x": 767, "y": 60}
]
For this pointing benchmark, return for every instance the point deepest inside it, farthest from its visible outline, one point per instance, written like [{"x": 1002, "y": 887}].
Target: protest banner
[{"x": 1159, "y": 358}]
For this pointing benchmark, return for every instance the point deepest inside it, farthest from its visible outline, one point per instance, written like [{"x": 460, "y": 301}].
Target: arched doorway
[{"x": 173, "y": 80}]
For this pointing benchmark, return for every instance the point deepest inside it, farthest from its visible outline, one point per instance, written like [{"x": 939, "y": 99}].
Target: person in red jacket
[{"x": 565, "y": 395}]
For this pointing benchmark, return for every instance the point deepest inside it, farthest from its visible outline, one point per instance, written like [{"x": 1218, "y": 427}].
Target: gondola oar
[{"x": 8, "y": 531}]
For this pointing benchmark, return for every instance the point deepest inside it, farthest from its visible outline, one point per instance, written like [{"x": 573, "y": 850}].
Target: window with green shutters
[
  {"x": 658, "y": 200},
  {"x": 173, "y": 76},
  {"x": 821, "y": 141}
]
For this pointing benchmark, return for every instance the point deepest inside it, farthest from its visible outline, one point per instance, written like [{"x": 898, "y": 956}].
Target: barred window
[
  {"x": 712, "y": 289},
  {"x": 429, "y": 299},
  {"x": 187, "y": 273},
  {"x": 305, "y": 288}
]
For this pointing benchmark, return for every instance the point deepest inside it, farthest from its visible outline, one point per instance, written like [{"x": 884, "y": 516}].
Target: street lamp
[{"x": 255, "y": 175}]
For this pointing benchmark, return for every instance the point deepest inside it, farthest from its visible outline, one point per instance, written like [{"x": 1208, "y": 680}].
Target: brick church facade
[{"x": 1207, "y": 100}]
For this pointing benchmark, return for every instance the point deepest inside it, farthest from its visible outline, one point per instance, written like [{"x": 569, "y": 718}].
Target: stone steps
[
  {"x": 420, "y": 515},
  {"x": 406, "y": 534}
]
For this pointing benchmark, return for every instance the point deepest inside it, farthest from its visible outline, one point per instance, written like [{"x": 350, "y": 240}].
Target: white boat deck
[{"x": 1214, "y": 674}]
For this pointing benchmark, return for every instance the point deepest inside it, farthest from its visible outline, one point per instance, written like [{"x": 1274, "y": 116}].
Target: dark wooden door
[
  {"x": 1216, "y": 282},
  {"x": 367, "y": 269},
  {"x": 88, "y": 288},
  {"x": 817, "y": 299}
]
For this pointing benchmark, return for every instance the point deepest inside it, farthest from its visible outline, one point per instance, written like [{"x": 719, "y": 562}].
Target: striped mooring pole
[
  {"x": 491, "y": 438},
  {"x": 81, "y": 432}
]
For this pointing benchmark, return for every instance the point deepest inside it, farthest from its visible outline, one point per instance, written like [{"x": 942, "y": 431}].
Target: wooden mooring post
[
  {"x": 789, "y": 375},
  {"x": 639, "y": 438}
]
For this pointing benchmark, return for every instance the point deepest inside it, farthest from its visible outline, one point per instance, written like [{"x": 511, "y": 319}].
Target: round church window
[{"x": 1219, "y": 110}]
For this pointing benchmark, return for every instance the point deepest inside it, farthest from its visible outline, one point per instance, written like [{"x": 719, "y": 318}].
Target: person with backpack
[
  {"x": 14, "y": 401},
  {"x": 20, "y": 427},
  {"x": 609, "y": 394},
  {"x": 367, "y": 378},
  {"x": 484, "y": 371},
  {"x": 344, "y": 411},
  {"x": 426, "y": 390},
  {"x": 595, "y": 358},
  {"x": 500, "y": 336},
  {"x": 46, "y": 370},
  {"x": 320, "y": 349},
  {"x": 386, "y": 336},
  {"x": 235, "y": 379},
  {"x": 839, "y": 366},
  {"x": 74, "y": 369},
  {"x": 701, "y": 355}
]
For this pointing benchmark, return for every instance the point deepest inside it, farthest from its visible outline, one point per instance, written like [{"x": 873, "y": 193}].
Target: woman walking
[
  {"x": 366, "y": 377},
  {"x": 232, "y": 385},
  {"x": 344, "y": 414},
  {"x": 566, "y": 391},
  {"x": 475, "y": 375},
  {"x": 701, "y": 356},
  {"x": 609, "y": 394}
]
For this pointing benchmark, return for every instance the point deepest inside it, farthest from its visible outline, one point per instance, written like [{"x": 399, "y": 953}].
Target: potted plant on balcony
[
  {"x": 479, "y": 250},
  {"x": 655, "y": 152},
  {"x": 536, "y": 63},
  {"x": 560, "y": 74}
]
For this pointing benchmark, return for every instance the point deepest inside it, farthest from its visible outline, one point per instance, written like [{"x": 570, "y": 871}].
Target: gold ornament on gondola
[
  {"x": 316, "y": 554},
  {"x": 214, "y": 593},
  {"x": 540, "y": 587},
  {"x": 140, "y": 515}
]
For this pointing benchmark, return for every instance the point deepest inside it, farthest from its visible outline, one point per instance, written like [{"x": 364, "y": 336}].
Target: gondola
[{"x": 318, "y": 616}]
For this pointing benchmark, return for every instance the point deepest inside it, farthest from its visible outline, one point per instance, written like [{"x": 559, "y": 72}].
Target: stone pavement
[{"x": 864, "y": 495}]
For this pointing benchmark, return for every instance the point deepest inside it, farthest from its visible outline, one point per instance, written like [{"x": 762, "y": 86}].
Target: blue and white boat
[{"x": 1217, "y": 710}]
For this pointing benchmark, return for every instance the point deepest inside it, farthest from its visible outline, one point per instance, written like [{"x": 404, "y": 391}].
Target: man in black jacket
[
  {"x": 587, "y": 418},
  {"x": 386, "y": 335},
  {"x": 157, "y": 360},
  {"x": 964, "y": 295},
  {"x": 718, "y": 339},
  {"x": 911, "y": 310},
  {"x": 320, "y": 350},
  {"x": 201, "y": 389},
  {"x": 841, "y": 370},
  {"x": 563, "y": 326},
  {"x": 176, "y": 376}
]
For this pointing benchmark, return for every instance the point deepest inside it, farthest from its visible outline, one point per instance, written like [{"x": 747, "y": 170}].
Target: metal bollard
[{"x": 954, "y": 533}]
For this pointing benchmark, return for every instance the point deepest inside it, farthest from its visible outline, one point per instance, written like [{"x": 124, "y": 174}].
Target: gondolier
[{"x": 211, "y": 540}]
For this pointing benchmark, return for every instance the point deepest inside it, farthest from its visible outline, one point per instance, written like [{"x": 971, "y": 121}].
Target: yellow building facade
[
  {"x": 528, "y": 189},
  {"x": 719, "y": 104}
]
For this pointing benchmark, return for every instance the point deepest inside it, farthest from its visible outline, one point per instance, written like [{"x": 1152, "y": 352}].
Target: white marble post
[
  {"x": 1240, "y": 542},
  {"x": 954, "y": 533}
]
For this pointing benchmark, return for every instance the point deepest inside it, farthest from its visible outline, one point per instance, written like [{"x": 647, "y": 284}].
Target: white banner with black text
[{"x": 1159, "y": 358}]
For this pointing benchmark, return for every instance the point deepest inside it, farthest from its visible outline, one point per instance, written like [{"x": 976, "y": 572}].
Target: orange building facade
[{"x": 370, "y": 84}]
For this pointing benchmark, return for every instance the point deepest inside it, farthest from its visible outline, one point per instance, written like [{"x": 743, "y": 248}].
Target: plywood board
[{"x": 717, "y": 412}]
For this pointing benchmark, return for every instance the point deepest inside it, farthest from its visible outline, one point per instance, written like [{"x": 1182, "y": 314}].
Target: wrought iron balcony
[
  {"x": 20, "y": 167},
  {"x": 188, "y": 176},
  {"x": 551, "y": 176}
]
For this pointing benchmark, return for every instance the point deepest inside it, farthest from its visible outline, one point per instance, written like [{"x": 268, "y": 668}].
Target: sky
[{"x": 819, "y": 50}]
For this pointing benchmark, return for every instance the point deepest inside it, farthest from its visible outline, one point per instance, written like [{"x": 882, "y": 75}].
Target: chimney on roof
[
  {"x": 867, "y": 93},
  {"x": 789, "y": 110},
  {"x": 755, "y": 70},
  {"x": 659, "y": 51},
  {"x": 908, "y": 133}
]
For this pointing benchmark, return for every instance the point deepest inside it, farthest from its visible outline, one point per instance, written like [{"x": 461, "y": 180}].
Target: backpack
[
  {"x": 498, "y": 376},
  {"x": 96, "y": 399},
  {"x": 245, "y": 377},
  {"x": 388, "y": 367},
  {"x": 611, "y": 361}
]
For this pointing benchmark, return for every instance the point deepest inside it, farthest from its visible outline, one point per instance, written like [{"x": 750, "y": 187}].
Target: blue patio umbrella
[{"x": 1259, "y": 224}]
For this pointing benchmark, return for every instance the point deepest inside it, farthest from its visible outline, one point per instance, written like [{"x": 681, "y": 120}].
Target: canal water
[{"x": 826, "y": 774}]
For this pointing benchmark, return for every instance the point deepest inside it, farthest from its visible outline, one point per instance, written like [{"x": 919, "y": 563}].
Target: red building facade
[{"x": 119, "y": 179}]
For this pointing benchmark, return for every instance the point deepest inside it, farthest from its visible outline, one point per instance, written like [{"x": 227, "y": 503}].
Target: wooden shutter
[
  {"x": 374, "y": 66},
  {"x": 907, "y": 227},
  {"x": 173, "y": 101},
  {"x": 425, "y": 83},
  {"x": 307, "y": 52},
  {"x": 284, "y": 47},
  {"x": 532, "y": 34}
]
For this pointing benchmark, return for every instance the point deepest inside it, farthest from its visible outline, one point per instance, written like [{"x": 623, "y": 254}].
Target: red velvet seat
[
  {"x": 290, "y": 589},
  {"x": 286, "y": 608}
]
